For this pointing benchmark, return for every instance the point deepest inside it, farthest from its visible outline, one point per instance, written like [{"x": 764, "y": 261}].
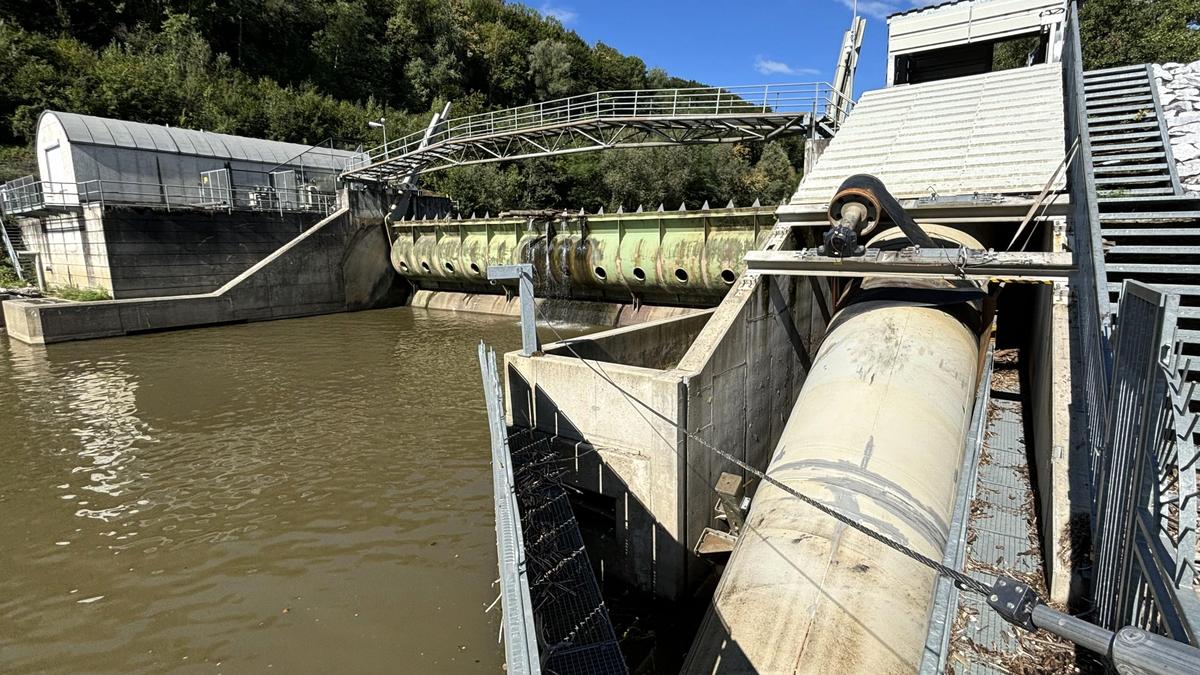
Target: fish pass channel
[{"x": 289, "y": 496}]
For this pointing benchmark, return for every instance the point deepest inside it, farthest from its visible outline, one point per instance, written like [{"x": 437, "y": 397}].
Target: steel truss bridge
[{"x": 608, "y": 119}]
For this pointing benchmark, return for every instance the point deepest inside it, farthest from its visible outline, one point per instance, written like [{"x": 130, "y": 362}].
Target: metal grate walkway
[
  {"x": 1002, "y": 538},
  {"x": 608, "y": 119}
]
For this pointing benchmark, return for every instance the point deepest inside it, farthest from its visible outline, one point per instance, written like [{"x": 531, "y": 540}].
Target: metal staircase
[
  {"x": 1131, "y": 152},
  {"x": 1149, "y": 228},
  {"x": 13, "y": 246}
]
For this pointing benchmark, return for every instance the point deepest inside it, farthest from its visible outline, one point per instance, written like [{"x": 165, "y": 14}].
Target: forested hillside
[{"x": 309, "y": 70}]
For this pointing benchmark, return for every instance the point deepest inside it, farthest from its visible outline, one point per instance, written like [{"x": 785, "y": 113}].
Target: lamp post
[{"x": 381, "y": 123}]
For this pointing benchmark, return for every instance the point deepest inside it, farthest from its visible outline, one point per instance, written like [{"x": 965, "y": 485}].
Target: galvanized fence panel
[
  {"x": 520, "y": 638},
  {"x": 1145, "y": 489},
  {"x": 1091, "y": 353}
]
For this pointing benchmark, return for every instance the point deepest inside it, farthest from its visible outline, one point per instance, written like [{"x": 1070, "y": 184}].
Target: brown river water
[{"x": 311, "y": 495}]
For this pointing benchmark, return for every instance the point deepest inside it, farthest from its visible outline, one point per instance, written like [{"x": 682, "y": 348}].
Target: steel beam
[
  {"x": 940, "y": 263},
  {"x": 523, "y": 273}
]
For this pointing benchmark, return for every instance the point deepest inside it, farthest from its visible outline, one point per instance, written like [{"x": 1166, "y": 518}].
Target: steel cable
[{"x": 962, "y": 580}]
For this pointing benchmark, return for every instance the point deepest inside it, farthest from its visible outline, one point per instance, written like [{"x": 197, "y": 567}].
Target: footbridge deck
[{"x": 608, "y": 119}]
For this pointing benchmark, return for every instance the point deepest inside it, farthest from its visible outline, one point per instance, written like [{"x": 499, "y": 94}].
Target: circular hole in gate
[
  {"x": 639, "y": 274},
  {"x": 403, "y": 266},
  {"x": 449, "y": 267},
  {"x": 681, "y": 274},
  {"x": 424, "y": 265},
  {"x": 728, "y": 276},
  {"x": 600, "y": 273},
  {"x": 474, "y": 269}
]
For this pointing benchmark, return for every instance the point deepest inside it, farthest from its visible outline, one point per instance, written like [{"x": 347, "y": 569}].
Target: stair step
[
  {"x": 1131, "y": 194},
  {"x": 1132, "y": 157},
  {"x": 1151, "y": 250},
  {"x": 1124, "y": 126},
  {"x": 1150, "y": 232},
  {"x": 1150, "y": 217},
  {"x": 1132, "y": 93},
  {"x": 1181, "y": 289},
  {"x": 1140, "y": 145},
  {"x": 1137, "y": 68},
  {"x": 1127, "y": 76},
  {"x": 1139, "y": 115},
  {"x": 1140, "y": 99},
  {"x": 1130, "y": 168},
  {"x": 1116, "y": 85},
  {"x": 1109, "y": 110},
  {"x": 1151, "y": 268},
  {"x": 1132, "y": 180},
  {"x": 1188, "y": 337}
]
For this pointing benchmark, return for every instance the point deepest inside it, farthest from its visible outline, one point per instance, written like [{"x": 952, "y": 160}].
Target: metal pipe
[{"x": 877, "y": 433}]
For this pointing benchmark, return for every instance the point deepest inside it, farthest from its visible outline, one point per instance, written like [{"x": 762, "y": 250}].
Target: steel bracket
[
  {"x": 1014, "y": 602},
  {"x": 524, "y": 275}
]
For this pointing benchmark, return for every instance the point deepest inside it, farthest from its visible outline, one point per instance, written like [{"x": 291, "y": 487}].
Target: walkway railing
[
  {"x": 33, "y": 196},
  {"x": 520, "y": 638},
  {"x": 1146, "y": 512},
  {"x": 818, "y": 100}
]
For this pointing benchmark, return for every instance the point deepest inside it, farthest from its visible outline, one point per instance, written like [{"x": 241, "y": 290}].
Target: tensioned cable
[{"x": 961, "y": 579}]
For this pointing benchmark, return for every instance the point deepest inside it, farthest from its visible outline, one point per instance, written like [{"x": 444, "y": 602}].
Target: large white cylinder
[{"x": 877, "y": 433}]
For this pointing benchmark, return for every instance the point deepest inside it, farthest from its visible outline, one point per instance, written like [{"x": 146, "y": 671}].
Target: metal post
[{"x": 524, "y": 274}]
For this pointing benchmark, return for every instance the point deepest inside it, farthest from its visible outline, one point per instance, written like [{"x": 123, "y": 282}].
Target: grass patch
[
  {"x": 8, "y": 278},
  {"x": 78, "y": 294}
]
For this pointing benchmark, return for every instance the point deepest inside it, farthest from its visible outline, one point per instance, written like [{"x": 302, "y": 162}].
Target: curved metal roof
[{"x": 89, "y": 130}]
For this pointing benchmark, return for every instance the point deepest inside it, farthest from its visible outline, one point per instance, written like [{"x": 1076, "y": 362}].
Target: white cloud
[
  {"x": 768, "y": 66},
  {"x": 881, "y": 9},
  {"x": 565, "y": 15}
]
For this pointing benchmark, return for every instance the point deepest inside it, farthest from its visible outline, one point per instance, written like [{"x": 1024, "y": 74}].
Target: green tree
[
  {"x": 550, "y": 69},
  {"x": 1126, "y": 32}
]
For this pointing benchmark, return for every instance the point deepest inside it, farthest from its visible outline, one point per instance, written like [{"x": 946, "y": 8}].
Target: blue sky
[{"x": 735, "y": 42}]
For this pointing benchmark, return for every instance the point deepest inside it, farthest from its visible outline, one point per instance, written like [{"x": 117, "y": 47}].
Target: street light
[{"x": 381, "y": 123}]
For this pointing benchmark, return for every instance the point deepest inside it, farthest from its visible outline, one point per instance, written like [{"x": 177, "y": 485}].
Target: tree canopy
[
  {"x": 308, "y": 70},
  {"x": 1128, "y": 32}
]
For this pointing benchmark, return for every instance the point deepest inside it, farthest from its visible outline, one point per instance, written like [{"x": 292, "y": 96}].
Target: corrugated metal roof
[
  {"x": 90, "y": 130},
  {"x": 993, "y": 133},
  {"x": 915, "y": 10}
]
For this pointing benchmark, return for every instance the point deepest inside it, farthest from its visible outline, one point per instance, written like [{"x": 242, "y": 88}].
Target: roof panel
[
  {"x": 920, "y": 138},
  {"x": 91, "y": 130}
]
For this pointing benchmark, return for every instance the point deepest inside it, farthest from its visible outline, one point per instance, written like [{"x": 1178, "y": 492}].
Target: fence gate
[
  {"x": 216, "y": 188},
  {"x": 1145, "y": 510}
]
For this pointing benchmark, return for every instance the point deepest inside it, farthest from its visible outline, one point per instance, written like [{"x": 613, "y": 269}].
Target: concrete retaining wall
[
  {"x": 135, "y": 252},
  {"x": 740, "y": 370},
  {"x": 340, "y": 264},
  {"x": 152, "y": 252}
]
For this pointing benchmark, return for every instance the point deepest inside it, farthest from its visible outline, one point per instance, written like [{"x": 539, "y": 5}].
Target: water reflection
[{"x": 285, "y": 495}]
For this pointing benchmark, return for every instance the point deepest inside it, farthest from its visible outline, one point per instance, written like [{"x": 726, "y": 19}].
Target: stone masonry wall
[{"x": 1179, "y": 91}]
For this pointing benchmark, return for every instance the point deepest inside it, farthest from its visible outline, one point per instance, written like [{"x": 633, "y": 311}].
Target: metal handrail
[
  {"x": 814, "y": 98},
  {"x": 35, "y": 195}
]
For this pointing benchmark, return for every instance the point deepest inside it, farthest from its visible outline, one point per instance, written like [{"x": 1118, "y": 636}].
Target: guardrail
[
  {"x": 1145, "y": 504},
  {"x": 520, "y": 638},
  {"x": 818, "y": 99},
  {"x": 1092, "y": 364},
  {"x": 26, "y": 197}
]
